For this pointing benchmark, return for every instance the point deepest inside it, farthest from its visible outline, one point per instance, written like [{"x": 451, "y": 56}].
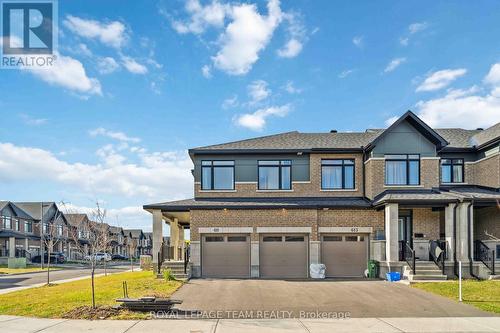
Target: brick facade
[
  {"x": 485, "y": 172},
  {"x": 486, "y": 220},
  {"x": 426, "y": 222}
]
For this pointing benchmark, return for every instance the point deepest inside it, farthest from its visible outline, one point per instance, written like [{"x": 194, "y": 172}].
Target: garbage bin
[{"x": 373, "y": 266}]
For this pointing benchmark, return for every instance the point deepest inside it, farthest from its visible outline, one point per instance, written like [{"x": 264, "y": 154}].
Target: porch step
[
  {"x": 425, "y": 271},
  {"x": 494, "y": 277},
  {"x": 419, "y": 277},
  {"x": 177, "y": 269}
]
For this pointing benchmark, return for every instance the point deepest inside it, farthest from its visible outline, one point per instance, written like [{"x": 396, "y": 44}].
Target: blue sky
[{"x": 138, "y": 83}]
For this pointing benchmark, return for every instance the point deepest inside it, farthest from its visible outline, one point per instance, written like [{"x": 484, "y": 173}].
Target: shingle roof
[
  {"x": 457, "y": 138},
  {"x": 18, "y": 210},
  {"x": 136, "y": 233},
  {"x": 244, "y": 203},
  {"x": 33, "y": 208},
  {"x": 115, "y": 230},
  {"x": 487, "y": 135},
  {"x": 75, "y": 219}
]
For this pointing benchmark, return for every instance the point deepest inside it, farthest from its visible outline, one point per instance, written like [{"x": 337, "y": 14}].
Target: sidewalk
[{"x": 13, "y": 324}]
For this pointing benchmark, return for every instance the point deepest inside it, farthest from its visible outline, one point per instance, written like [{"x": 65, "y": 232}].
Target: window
[
  {"x": 213, "y": 239},
  {"x": 217, "y": 175},
  {"x": 402, "y": 169},
  {"x": 275, "y": 175},
  {"x": 452, "y": 170},
  {"x": 45, "y": 228},
  {"x": 17, "y": 224},
  {"x": 337, "y": 174},
  {"x": 7, "y": 222},
  {"x": 351, "y": 238},
  {"x": 272, "y": 239},
  {"x": 28, "y": 226},
  {"x": 59, "y": 230},
  {"x": 236, "y": 238},
  {"x": 332, "y": 238},
  {"x": 294, "y": 238}
]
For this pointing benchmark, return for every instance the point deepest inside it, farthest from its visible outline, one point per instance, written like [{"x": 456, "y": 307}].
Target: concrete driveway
[{"x": 361, "y": 299}]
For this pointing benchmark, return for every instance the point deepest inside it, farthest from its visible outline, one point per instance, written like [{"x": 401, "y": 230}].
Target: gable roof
[
  {"x": 489, "y": 135},
  {"x": 17, "y": 210},
  {"x": 34, "y": 208},
  {"x": 75, "y": 219},
  {"x": 135, "y": 233}
]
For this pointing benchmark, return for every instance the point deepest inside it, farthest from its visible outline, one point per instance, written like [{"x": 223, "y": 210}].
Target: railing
[
  {"x": 408, "y": 255},
  {"x": 186, "y": 258},
  {"x": 438, "y": 256},
  {"x": 484, "y": 254}
]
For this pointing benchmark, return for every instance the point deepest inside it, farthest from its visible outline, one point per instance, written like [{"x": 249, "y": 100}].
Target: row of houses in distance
[{"x": 24, "y": 226}]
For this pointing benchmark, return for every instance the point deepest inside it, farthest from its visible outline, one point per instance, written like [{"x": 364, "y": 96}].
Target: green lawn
[
  {"x": 28, "y": 269},
  {"x": 56, "y": 300},
  {"x": 484, "y": 295}
]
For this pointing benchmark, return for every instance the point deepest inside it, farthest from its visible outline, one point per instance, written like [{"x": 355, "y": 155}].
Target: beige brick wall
[
  {"x": 485, "y": 173},
  {"x": 254, "y": 218},
  {"x": 299, "y": 189},
  {"x": 429, "y": 172},
  {"x": 486, "y": 219},
  {"x": 427, "y": 222},
  {"x": 351, "y": 218}
]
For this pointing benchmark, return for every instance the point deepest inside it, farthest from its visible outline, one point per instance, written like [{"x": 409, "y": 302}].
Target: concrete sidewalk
[{"x": 14, "y": 324}]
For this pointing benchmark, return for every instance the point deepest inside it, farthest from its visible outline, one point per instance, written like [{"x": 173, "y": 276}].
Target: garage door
[
  {"x": 283, "y": 256},
  {"x": 344, "y": 255},
  {"x": 225, "y": 256}
]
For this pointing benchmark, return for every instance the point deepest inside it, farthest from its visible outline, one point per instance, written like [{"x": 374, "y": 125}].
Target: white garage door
[
  {"x": 225, "y": 256},
  {"x": 283, "y": 256},
  {"x": 344, "y": 255}
]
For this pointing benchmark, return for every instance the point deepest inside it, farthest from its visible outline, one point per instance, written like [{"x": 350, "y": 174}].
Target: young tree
[
  {"x": 96, "y": 233},
  {"x": 51, "y": 236},
  {"x": 132, "y": 247}
]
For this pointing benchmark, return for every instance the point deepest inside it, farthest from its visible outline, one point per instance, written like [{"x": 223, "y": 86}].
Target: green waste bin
[{"x": 373, "y": 269}]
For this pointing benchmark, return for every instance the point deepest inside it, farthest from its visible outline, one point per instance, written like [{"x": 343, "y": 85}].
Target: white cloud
[
  {"x": 395, "y": 63},
  {"x": 296, "y": 36},
  {"x": 412, "y": 30},
  {"x": 107, "y": 65},
  {"x": 201, "y": 17},
  {"x": 417, "y": 27},
  {"x": 231, "y": 102},
  {"x": 493, "y": 76},
  {"x": 257, "y": 120},
  {"x": 291, "y": 49},
  {"x": 358, "y": 41},
  {"x": 441, "y": 79},
  {"x": 133, "y": 66},
  {"x": 120, "y": 136},
  {"x": 391, "y": 121},
  {"x": 246, "y": 36},
  {"x": 31, "y": 121},
  {"x": 206, "y": 71},
  {"x": 466, "y": 108},
  {"x": 68, "y": 73},
  {"x": 345, "y": 73},
  {"x": 291, "y": 89},
  {"x": 155, "y": 175},
  {"x": 111, "y": 34},
  {"x": 258, "y": 91},
  {"x": 84, "y": 50}
]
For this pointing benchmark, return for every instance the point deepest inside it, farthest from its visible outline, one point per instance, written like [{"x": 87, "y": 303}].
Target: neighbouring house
[
  {"x": 416, "y": 199},
  {"x": 17, "y": 230},
  {"x": 51, "y": 224},
  {"x": 148, "y": 243},
  {"x": 136, "y": 236},
  {"x": 117, "y": 240},
  {"x": 78, "y": 245}
]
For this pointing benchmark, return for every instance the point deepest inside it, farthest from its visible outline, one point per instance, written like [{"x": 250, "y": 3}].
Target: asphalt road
[{"x": 22, "y": 280}]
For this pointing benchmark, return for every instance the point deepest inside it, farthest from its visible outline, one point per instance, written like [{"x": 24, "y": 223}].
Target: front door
[{"x": 405, "y": 231}]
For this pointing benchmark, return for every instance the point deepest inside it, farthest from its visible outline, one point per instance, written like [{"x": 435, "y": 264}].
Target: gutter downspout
[
  {"x": 469, "y": 234},
  {"x": 455, "y": 261},
  {"x": 364, "y": 174}
]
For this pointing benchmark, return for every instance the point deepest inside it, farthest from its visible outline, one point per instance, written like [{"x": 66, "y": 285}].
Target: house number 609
[{"x": 354, "y": 229}]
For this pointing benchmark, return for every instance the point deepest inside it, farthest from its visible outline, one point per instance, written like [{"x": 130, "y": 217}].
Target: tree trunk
[
  {"x": 48, "y": 263},
  {"x": 93, "y": 289},
  {"x": 132, "y": 264}
]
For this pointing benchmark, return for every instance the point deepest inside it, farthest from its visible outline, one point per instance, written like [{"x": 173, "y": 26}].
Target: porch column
[
  {"x": 463, "y": 232},
  {"x": 26, "y": 246},
  {"x": 12, "y": 247},
  {"x": 157, "y": 234},
  {"x": 182, "y": 244},
  {"x": 174, "y": 237},
  {"x": 391, "y": 232},
  {"x": 448, "y": 230}
]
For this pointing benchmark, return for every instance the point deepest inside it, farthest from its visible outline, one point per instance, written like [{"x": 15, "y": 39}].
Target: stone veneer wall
[
  {"x": 486, "y": 219},
  {"x": 299, "y": 189}
]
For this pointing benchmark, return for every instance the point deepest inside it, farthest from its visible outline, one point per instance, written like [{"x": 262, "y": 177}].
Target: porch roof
[
  {"x": 417, "y": 197},
  {"x": 259, "y": 203}
]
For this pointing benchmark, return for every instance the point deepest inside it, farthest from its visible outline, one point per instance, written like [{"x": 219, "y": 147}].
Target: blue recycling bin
[{"x": 393, "y": 276}]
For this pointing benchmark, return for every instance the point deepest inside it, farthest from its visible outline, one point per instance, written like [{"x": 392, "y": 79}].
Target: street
[{"x": 69, "y": 272}]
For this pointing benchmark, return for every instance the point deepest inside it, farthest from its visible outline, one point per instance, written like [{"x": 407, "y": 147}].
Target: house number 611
[{"x": 354, "y": 229}]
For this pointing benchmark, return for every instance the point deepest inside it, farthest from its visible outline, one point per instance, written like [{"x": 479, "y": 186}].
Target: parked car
[
  {"x": 99, "y": 256},
  {"x": 55, "y": 258},
  {"x": 119, "y": 257}
]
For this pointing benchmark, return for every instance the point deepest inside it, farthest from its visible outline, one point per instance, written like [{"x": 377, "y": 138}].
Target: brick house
[{"x": 414, "y": 198}]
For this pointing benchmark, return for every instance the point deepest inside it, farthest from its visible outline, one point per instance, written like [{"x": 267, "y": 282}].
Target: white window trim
[
  {"x": 339, "y": 190},
  {"x": 264, "y": 191},
  {"x": 216, "y": 191}
]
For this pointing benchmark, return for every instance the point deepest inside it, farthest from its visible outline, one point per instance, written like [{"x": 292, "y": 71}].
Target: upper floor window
[
  {"x": 59, "y": 230},
  {"x": 275, "y": 175},
  {"x": 452, "y": 170},
  {"x": 45, "y": 228},
  {"x": 7, "y": 222},
  {"x": 337, "y": 174},
  {"x": 217, "y": 175},
  {"x": 28, "y": 226},
  {"x": 17, "y": 224},
  {"x": 402, "y": 169}
]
